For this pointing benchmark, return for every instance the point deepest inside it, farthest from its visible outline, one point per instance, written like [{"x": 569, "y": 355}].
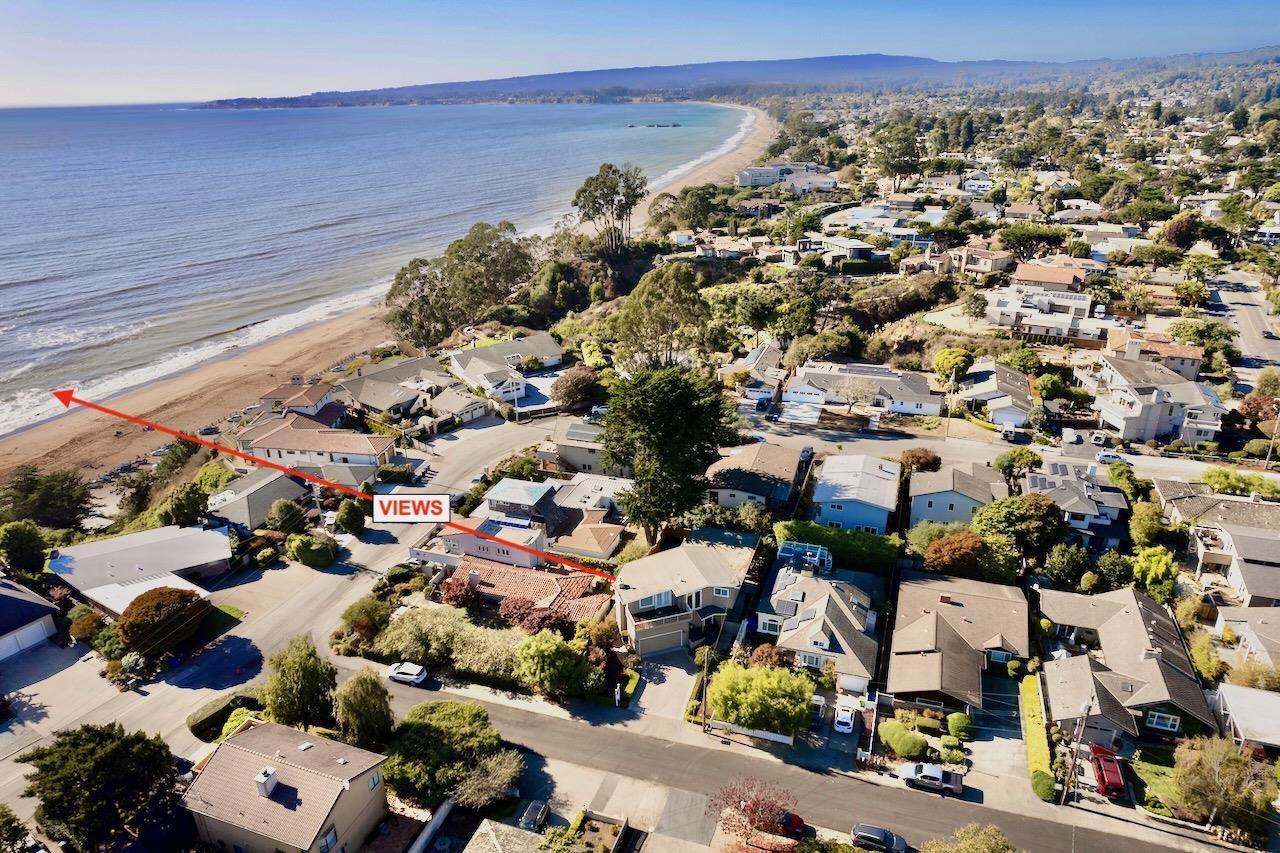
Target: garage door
[
  {"x": 25, "y": 637},
  {"x": 661, "y": 643}
]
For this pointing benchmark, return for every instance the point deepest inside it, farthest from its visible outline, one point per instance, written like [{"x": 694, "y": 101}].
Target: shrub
[
  {"x": 314, "y": 550},
  {"x": 235, "y": 720},
  {"x": 952, "y": 756},
  {"x": 266, "y": 557},
  {"x": 1044, "y": 785},
  {"x": 206, "y": 722},
  {"x": 401, "y": 574},
  {"x": 1039, "y": 757},
  {"x": 950, "y": 742},
  {"x": 960, "y": 725},
  {"x": 161, "y": 618},
  {"x": 366, "y": 616},
  {"x": 86, "y": 626},
  {"x": 395, "y": 473},
  {"x": 705, "y": 657},
  {"x": 458, "y": 592},
  {"x": 903, "y": 742},
  {"x": 1014, "y": 668},
  {"x": 107, "y": 642},
  {"x": 76, "y": 612}
]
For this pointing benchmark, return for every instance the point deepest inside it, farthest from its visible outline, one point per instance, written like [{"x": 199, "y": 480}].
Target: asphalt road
[
  {"x": 1245, "y": 308},
  {"x": 823, "y": 799}
]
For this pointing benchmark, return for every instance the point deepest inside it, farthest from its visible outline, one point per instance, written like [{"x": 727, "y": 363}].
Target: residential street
[
  {"x": 824, "y": 799},
  {"x": 1246, "y": 309}
]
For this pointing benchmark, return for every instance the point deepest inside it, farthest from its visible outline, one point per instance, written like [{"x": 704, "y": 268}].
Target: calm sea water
[{"x": 139, "y": 241}]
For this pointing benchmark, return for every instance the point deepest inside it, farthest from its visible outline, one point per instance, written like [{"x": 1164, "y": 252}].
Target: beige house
[
  {"x": 271, "y": 788},
  {"x": 1182, "y": 359},
  {"x": 675, "y": 598}
]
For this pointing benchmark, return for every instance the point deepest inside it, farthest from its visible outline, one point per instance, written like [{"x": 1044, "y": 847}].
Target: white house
[
  {"x": 26, "y": 619},
  {"x": 856, "y": 492}
]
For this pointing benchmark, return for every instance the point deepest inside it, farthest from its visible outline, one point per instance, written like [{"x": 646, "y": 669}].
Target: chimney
[
  {"x": 266, "y": 781},
  {"x": 944, "y": 599},
  {"x": 473, "y": 579},
  {"x": 1132, "y": 347},
  {"x": 295, "y": 380},
  {"x": 1150, "y": 653}
]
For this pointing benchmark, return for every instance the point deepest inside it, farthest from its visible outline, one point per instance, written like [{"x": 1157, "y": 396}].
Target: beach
[{"x": 207, "y": 393}]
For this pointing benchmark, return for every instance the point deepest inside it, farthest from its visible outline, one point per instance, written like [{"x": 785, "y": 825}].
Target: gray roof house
[
  {"x": 497, "y": 368},
  {"x": 945, "y": 631},
  {"x": 954, "y": 493},
  {"x": 246, "y": 501},
  {"x": 26, "y": 619},
  {"x": 1132, "y": 670},
  {"x": 839, "y": 378},
  {"x": 760, "y": 473},
  {"x": 1092, "y": 509},
  {"x": 856, "y": 492},
  {"x": 1144, "y": 400},
  {"x": 111, "y": 573},
  {"x": 821, "y": 615},
  {"x": 1004, "y": 391}
]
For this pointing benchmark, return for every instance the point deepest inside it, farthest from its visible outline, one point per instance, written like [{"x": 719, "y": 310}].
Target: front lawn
[
  {"x": 1153, "y": 783},
  {"x": 219, "y": 621}
]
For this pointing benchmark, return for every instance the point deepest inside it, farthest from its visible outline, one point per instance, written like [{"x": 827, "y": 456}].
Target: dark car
[
  {"x": 762, "y": 405},
  {"x": 870, "y": 837},
  {"x": 793, "y": 825},
  {"x": 1108, "y": 774},
  {"x": 535, "y": 815}
]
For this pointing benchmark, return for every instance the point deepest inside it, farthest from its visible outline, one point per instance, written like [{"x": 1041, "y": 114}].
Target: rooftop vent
[
  {"x": 265, "y": 781},
  {"x": 944, "y": 599},
  {"x": 305, "y": 745}
]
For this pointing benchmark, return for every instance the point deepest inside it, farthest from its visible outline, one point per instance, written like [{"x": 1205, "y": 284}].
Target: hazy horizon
[{"x": 72, "y": 53}]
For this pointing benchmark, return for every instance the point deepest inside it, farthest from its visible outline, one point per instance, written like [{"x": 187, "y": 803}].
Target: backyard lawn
[{"x": 1153, "y": 782}]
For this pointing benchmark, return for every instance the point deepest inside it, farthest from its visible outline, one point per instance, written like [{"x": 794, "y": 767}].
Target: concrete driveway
[
  {"x": 666, "y": 683},
  {"x": 50, "y": 687}
]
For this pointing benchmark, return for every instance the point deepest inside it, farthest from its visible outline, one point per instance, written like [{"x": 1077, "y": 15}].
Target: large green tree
[
  {"x": 429, "y": 299},
  {"x": 299, "y": 691},
  {"x": 971, "y": 838},
  {"x": 665, "y": 425},
  {"x": 663, "y": 315},
  {"x": 550, "y": 665},
  {"x": 608, "y": 198},
  {"x": 185, "y": 505},
  {"x": 362, "y": 709},
  {"x": 286, "y": 517},
  {"x": 1016, "y": 463},
  {"x": 22, "y": 547},
  {"x": 102, "y": 786},
  {"x": 57, "y": 500},
  {"x": 1033, "y": 522},
  {"x": 434, "y": 748}
]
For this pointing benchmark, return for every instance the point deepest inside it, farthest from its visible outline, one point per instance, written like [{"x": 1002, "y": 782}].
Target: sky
[{"x": 56, "y": 52}]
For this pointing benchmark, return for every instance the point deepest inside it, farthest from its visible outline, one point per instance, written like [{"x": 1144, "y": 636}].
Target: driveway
[
  {"x": 50, "y": 687},
  {"x": 666, "y": 682}
]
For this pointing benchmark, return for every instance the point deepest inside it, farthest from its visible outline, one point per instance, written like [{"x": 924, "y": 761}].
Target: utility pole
[{"x": 1075, "y": 741}]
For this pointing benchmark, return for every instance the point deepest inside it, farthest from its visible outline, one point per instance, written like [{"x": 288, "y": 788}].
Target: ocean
[{"x": 136, "y": 242}]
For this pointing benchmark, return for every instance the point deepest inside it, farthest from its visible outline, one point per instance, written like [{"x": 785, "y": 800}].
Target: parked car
[
  {"x": 844, "y": 719},
  {"x": 870, "y": 837},
  {"x": 1107, "y": 774},
  {"x": 1108, "y": 457},
  {"x": 535, "y": 815},
  {"x": 1099, "y": 438},
  {"x": 1009, "y": 432},
  {"x": 407, "y": 673},
  {"x": 931, "y": 777},
  {"x": 208, "y": 430},
  {"x": 773, "y": 419},
  {"x": 817, "y": 710},
  {"x": 793, "y": 825},
  {"x": 1070, "y": 436},
  {"x": 762, "y": 405},
  {"x": 756, "y": 438}
]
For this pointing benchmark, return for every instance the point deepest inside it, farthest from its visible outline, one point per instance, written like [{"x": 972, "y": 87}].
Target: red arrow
[{"x": 67, "y": 396}]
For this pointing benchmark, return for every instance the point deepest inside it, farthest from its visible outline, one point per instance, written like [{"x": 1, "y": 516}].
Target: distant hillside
[{"x": 851, "y": 72}]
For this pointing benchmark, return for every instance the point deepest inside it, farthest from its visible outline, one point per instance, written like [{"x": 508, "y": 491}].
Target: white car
[
  {"x": 407, "y": 673},
  {"x": 1108, "y": 457},
  {"x": 844, "y": 719}
]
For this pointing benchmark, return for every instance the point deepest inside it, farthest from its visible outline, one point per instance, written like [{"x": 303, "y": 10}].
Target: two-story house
[
  {"x": 1142, "y": 400},
  {"x": 1002, "y": 390},
  {"x": 856, "y": 492},
  {"x": 1092, "y": 509},
  {"x": 836, "y": 379},
  {"x": 499, "y": 369},
  {"x": 297, "y": 396},
  {"x": 1123, "y": 660},
  {"x": 297, "y": 440},
  {"x": 268, "y": 788},
  {"x": 820, "y": 614},
  {"x": 574, "y": 446},
  {"x": 680, "y": 597},
  {"x": 954, "y": 493}
]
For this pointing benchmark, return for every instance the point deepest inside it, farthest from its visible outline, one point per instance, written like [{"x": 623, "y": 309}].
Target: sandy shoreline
[{"x": 207, "y": 393}]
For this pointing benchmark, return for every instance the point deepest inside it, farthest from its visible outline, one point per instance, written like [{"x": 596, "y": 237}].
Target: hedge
[
  {"x": 902, "y": 741},
  {"x": 206, "y": 722},
  {"x": 953, "y": 756},
  {"x": 950, "y": 742},
  {"x": 849, "y": 548},
  {"x": 1039, "y": 756}
]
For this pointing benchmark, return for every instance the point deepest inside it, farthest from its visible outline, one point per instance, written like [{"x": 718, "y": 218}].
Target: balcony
[{"x": 651, "y": 619}]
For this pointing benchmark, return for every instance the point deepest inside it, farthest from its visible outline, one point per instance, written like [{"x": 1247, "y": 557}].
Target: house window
[
  {"x": 770, "y": 625},
  {"x": 837, "y": 507},
  {"x": 812, "y": 661},
  {"x": 328, "y": 841},
  {"x": 374, "y": 780},
  {"x": 835, "y": 525},
  {"x": 722, "y": 592},
  {"x": 951, "y": 507},
  {"x": 1164, "y": 722},
  {"x": 929, "y": 504},
  {"x": 1000, "y": 657}
]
